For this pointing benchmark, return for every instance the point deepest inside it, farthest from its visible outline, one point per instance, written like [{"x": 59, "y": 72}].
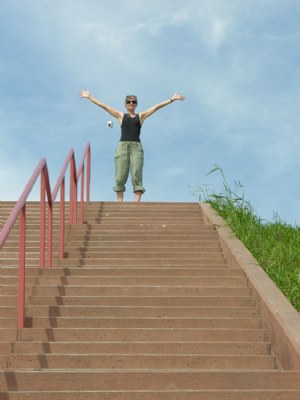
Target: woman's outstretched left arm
[{"x": 145, "y": 114}]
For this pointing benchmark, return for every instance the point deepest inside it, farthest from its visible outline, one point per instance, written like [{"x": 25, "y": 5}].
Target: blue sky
[{"x": 236, "y": 61}]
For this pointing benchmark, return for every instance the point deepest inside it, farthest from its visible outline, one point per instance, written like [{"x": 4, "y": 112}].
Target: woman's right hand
[{"x": 84, "y": 94}]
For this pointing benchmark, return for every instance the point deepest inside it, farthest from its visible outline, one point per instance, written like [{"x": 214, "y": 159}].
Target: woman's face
[{"x": 131, "y": 103}]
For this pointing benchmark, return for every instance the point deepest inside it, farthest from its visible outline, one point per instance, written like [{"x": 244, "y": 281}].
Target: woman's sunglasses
[{"x": 131, "y": 101}]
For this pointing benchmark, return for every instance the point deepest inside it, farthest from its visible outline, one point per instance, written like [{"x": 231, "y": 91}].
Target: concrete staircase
[{"x": 142, "y": 307}]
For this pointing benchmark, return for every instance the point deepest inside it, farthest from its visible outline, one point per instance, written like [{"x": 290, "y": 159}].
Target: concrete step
[
  {"x": 136, "y": 280},
  {"x": 141, "y": 271},
  {"x": 119, "y": 262},
  {"x": 81, "y": 238},
  {"x": 136, "y": 361},
  {"x": 267, "y": 394},
  {"x": 129, "y": 301},
  {"x": 52, "y": 334},
  {"x": 139, "y": 227},
  {"x": 126, "y": 209},
  {"x": 112, "y": 212},
  {"x": 121, "y": 229},
  {"x": 95, "y": 245},
  {"x": 36, "y": 312},
  {"x": 105, "y": 245},
  {"x": 143, "y": 215},
  {"x": 142, "y": 322},
  {"x": 148, "y": 253},
  {"x": 137, "y": 311},
  {"x": 135, "y": 261},
  {"x": 142, "y": 226},
  {"x": 124, "y": 291},
  {"x": 151, "y": 381},
  {"x": 12, "y": 273},
  {"x": 228, "y": 348}
]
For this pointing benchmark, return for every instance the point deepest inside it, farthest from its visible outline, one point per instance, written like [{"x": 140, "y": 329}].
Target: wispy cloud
[{"x": 174, "y": 172}]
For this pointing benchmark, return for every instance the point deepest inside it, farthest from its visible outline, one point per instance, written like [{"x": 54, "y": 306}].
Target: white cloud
[
  {"x": 218, "y": 31},
  {"x": 173, "y": 172}
]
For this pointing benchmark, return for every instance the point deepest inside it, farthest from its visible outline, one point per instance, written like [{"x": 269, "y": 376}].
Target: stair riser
[
  {"x": 114, "y": 236},
  {"x": 101, "y": 244},
  {"x": 160, "y": 380},
  {"x": 145, "y": 262},
  {"x": 123, "y": 312},
  {"x": 137, "y": 361},
  {"x": 117, "y": 260},
  {"x": 134, "y": 280},
  {"x": 131, "y": 312},
  {"x": 135, "y": 226},
  {"x": 144, "y": 217},
  {"x": 138, "y": 253},
  {"x": 139, "y": 225},
  {"x": 158, "y": 395},
  {"x": 181, "y": 281},
  {"x": 153, "y": 323},
  {"x": 137, "y": 312},
  {"x": 141, "y": 335},
  {"x": 124, "y": 271},
  {"x": 141, "y": 237},
  {"x": 225, "y": 348},
  {"x": 102, "y": 248},
  {"x": 239, "y": 301},
  {"x": 135, "y": 291}
]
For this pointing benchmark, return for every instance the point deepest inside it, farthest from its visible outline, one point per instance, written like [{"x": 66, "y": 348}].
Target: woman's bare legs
[
  {"x": 120, "y": 196},
  {"x": 138, "y": 196}
]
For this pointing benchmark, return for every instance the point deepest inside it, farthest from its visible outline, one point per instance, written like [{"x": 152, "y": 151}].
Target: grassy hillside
[{"x": 275, "y": 245}]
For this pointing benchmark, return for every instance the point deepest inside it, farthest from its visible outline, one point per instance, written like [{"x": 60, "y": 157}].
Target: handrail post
[
  {"x": 75, "y": 189},
  {"x": 88, "y": 174},
  {"x": 42, "y": 220},
  {"x": 71, "y": 193},
  {"x": 82, "y": 197},
  {"x": 21, "y": 284},
  {"x": 50, "y": 232},
  {"x": 62, "y": 221}
]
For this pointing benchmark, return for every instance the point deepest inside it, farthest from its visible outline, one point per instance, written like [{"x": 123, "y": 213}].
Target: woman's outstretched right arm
[{"x": 85, "y": 94}]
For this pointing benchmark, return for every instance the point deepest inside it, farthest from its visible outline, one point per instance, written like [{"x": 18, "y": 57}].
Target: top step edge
[{"x": 92, "y": 202}]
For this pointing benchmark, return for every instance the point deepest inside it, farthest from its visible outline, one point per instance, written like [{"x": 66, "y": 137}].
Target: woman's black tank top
[{"x": 130, "y": 128}]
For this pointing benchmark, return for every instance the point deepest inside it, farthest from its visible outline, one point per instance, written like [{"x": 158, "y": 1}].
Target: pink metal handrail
[
  {"x": 60, "y": 186},
  {"x": 20, "y": 210},
  {"x": 74, "y": 179},
  {"x": 80, "y": 174}
]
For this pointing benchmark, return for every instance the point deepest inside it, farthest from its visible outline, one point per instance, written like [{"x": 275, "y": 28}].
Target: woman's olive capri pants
[{"x": 129, "y": 156}]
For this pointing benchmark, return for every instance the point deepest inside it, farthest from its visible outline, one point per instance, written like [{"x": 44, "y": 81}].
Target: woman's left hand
[{"x": 177, "y": 96}]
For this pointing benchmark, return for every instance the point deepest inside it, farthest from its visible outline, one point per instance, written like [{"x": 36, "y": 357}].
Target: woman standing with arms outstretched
[{"x": 129, "y": 154}]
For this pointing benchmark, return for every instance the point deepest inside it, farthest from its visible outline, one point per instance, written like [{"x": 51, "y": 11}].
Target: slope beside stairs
[{"x": 144, "y": 306}]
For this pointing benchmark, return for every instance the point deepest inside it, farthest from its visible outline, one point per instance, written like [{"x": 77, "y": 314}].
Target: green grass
[{"x": 275, "y": 245}]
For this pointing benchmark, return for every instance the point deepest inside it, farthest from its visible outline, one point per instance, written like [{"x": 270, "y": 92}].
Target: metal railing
[{"x": 45, "y": 191}]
